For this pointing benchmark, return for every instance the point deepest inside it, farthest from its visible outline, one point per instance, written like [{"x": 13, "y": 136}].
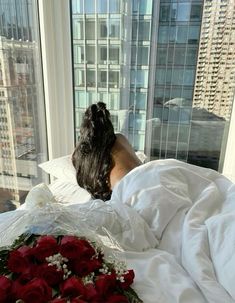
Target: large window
[
  {"x": 164, "y": 95},
  {"x": 22, "y": 115}
]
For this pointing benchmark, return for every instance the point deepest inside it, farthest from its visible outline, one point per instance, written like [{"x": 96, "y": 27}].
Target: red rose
[
  {"x": 16, "y": 289},
  {"x": 77, "y": 300},
  {"x": 5, "y": 287},
  {"x": 105, "y": 284},
  {"x": 72, "y": 287},
  {"x": 50, "y": 274},
  {"x": 28, "y": 274},
  {"x": 71, "y": 247},
  {"x": 91, "y": 293},
  {"x": 46, "y": 246},
  {"x": 81, "y": 268},
  {"x": 59, "y": 300},
  {"x": 117, "y": 299},
  {"x": 128, "y": 278},
  {"x": 36, "y": 291},
  {"x": 17, "y": 262}
]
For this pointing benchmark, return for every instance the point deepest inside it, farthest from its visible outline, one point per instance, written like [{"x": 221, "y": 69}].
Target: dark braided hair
[{"x": 92, "y": 156}]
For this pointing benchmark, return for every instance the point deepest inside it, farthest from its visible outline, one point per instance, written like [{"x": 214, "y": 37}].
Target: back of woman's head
[{"x": 92, "y": 155}]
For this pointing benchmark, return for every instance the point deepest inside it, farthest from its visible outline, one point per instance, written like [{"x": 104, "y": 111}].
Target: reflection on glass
[
  {"x": 113, "y": 79},
  {"x": 103, "y": 29},
  {"x": 22, "y": 118},
  {"x": 114, "y": 28},
  {"x": 78, "y": 29},
  {"x": 79, "y": 77},
  {"x": 90, "y": 54},
  {"x": 114, "y": 54},
  {"x": 77, "y": 6},
  {"x": 79, "y": 55},
  {"x": 102, "y": 6},
  {"x": 190, "y": 72},
  {"x": 114, "y": 6},
  {"x": 89, "y": 6},
  {"x": 90, "y": 29},
  {"x": 90, "y": 78}
]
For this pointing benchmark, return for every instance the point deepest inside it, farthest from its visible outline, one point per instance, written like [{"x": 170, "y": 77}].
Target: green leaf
[{"x": 132, "y": 296}]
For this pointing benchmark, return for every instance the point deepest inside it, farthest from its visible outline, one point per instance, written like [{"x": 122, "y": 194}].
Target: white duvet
[{"x": 176, "y": 223}]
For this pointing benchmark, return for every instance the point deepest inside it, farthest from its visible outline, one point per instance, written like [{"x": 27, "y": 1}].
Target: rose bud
[
  {"x": 72, "y": 287},
  {"x": 36, "y": 290},
  {"x": 5, "y": 288},
  {"x": 46, "y": 246}
]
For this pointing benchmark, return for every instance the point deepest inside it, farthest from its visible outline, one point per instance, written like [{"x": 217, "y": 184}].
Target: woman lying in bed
[
  {"x": 101, "y": 157},
  {"x": 190, "y": 210}
]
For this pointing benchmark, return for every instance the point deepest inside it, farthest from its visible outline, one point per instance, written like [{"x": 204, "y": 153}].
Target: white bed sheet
[{"x": 176, "y": 224}]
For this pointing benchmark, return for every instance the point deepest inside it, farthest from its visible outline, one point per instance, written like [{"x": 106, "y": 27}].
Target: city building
[
  {"x": 20, "y": 112},
  {"x": 144, "y": 59},
  {"x": 214, "y": 85}
]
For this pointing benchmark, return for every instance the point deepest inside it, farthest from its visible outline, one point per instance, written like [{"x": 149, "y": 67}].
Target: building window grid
[{"x": 171, "y": 22}]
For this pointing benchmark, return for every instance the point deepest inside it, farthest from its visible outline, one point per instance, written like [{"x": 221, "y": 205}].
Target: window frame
[
  {"x": 55, "y": 30},
  {"x": 55, "y": 34}
]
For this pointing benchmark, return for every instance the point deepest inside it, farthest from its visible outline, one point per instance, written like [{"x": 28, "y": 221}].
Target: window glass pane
[
  {"x": 179, "y": 56},
  {"x": 193, "y": 35},
  {"x": 113, "y": 79},
  {"x": 183, "y": 13},
  {"x": 177, "y": 76},
  {"x": 144, "y": 30},
  {"x": 181, "y": 34},
  {"x": 90, "y": 54},
  {"x": 89, "y": 6},
  {"x": 139, "y": 78},
  {"x": 78, "y": 52},
  {"x": 77, "y": 6},
  {"x": 114, "y": 101},
  {"x": 143, "y": 56},
  {"x": 91, "y": 98},
  {"x": 196, "y": 12},
  {"x": 161, "y": 56},
  {"x": 164, "y": 12},
  {"x": 90, "y": 78},
  {"x": 102, "y": 78},
  {"x": 114, "y": 6},
  {"x": 145, "y": 7},
  {"x": 160, "y": 76},
  {"x": 114, "y": 54},
  {"x": 189, "y": 76},
  {"x": 22, "y": 112},
  {"x": 90, "y": 29},
  {"x": 79, "y": 77},
  {"x": 78, "y": 29},
  {"x": 80, "y": 99},
  {"x": 103, "y": 29},
  {"x": 114, "y": 28},
  {"x": 102, "y": 54},
  {"x": 163, "y": 34},
  {"x": 191, "y": 57},
  {"x": 102, "y": 6}
]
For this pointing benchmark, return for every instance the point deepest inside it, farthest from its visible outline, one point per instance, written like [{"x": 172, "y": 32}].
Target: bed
[{"x": 175, "y": 222}]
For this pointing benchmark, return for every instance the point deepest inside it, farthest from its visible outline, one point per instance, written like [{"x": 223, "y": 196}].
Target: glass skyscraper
[{"x": 141, "y": 58}]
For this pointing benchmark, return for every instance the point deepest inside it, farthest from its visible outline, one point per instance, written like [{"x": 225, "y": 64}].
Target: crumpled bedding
[{"x": 175, "y": 221}]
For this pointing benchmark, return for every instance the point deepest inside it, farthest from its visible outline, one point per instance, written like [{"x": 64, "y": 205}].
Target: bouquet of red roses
[{"x": 62, "y": 269}]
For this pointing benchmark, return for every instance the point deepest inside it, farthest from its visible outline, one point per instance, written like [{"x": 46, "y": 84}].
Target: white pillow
[
  {"x": 68, "y": 193},
  {"x": 62, "y": 168}
]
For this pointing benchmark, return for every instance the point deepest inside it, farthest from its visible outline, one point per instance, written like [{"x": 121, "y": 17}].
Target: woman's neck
[{"x": 124, "y": 159}]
